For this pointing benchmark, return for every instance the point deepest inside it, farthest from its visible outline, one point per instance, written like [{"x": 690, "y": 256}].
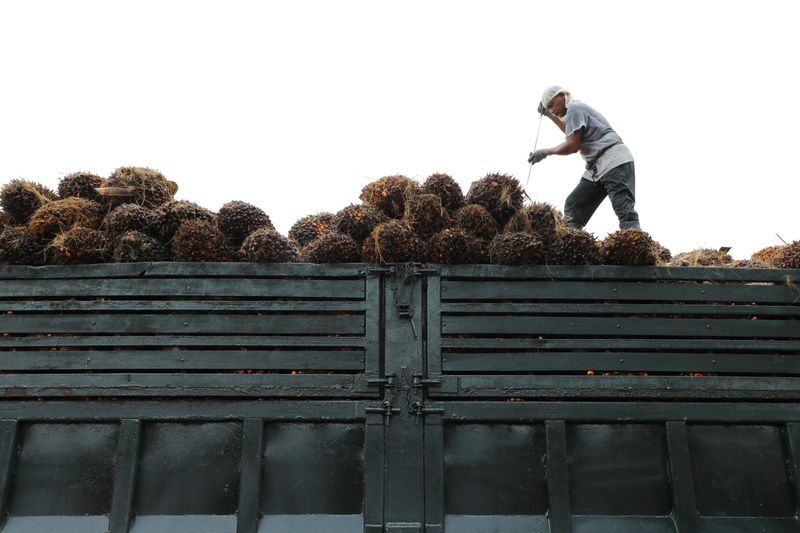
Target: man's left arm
[{"x": 570, "y": 145}]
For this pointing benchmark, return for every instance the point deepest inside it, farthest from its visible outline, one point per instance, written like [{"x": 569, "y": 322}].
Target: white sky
[{"x": 294, "y": 106}]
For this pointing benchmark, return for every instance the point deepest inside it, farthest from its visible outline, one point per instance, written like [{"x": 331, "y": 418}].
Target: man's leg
[
  {"x": 583, "y": 202},
  {"x": 620, "y": 183}
]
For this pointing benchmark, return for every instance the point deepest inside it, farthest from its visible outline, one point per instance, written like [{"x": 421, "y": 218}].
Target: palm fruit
[
  {"x": 446, "y": 188},
  {"x": 135, "y": 246},
  {"x": 60, "y": 215},
  {"x": 236, "y": 220},
  {"x": 266, "y": 245},
  {"x": 19, "y": 247},
  {"x": 75, "y": 245},
  {"x": 389, "y": 194},
  {"x": 750, "y": 263},
  {"x": 789, "y": 256},
  {"x": 500, "y": 194},
  {"x": 80, "y": 184},
  {"x": 131, "y": 217},
  {"x": 310, "y": 227},
  {"x": 200, "y": 240},
  {"x": 174, "y": 213},
  {"x": 701, "y": 257},
  {"x": 540, "y": 219},
  {"x": 632, "y": 247},
  {"x": 476, "y": 220},
  {"x": 391, "y": 242},
  {"x": 768, "y": 255},
  {"x": 518, "y": 248},
  {"x": 577, "y": 247},
  {"x": 358, "y": 221},
  {"x": 21, "y": 198},
  {"x": 453, "y": 246},
  {"x": 425, "y": 214},
  {"x": 663, "y": 255},
  {"x": 150, "y": 187},
  {"x": 331, "y": 247}
]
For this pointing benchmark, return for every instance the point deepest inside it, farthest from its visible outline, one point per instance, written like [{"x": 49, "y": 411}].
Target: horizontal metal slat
[
  {"x": 690, "y": 345},
  {"x": 600, "y": 309},
  {"x": 194, "y": 306},
  {"x": 140, "y": 341}
]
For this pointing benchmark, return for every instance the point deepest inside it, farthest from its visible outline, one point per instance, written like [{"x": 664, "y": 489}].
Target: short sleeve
[{"x": 576, "y": 119}]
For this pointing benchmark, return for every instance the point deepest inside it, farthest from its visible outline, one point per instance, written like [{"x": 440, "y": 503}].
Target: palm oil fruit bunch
[
  {"x": 425, "y": 214},
  {"x": 310, "y": 227},
  {"x": 21, "y": 198},
  {"x": 358, "y": 221},
  {"x": 135, "y": 246},
  {"x": 389, "y": 194},
  {"x": 446, "y": 188},
  {"x": 768, "y": 255},
  {"x": 200, "y": 240},
  {"x": 789, "y": 256},
  {"x": 131, "y": 217},
  {"x": 150, "y": 187},
  {"x": 701, "y": 257},
  {"x": 266, "y": 245},
  {"x": 540, "y": 219},
  {"x": 76, "y": 245},
  {"x": 453, "y": 246},
  {"x": 476, "y": 220},
  {"x": 517, "y": 248},
  {"x": 577, "y": 247},
  {"x": 80, "y": 184},
  {"x": 331, "y": 247},
  {"x": 174, "y": 213},
  {"x": 60, "y": 215},
  {"x": 391, "y": 242},
  {"x": 632, "y": 247},
  {"x": 237, "y": 219},
  {"x": 500, "y": 194},
  {"x": 19, "y": 247}
]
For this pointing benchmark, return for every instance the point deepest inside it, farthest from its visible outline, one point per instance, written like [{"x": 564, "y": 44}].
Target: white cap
[{"x": 550, "y": 93}]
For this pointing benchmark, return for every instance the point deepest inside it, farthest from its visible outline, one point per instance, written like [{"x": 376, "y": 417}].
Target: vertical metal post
[
  {"x": 8, "y": 456},
  {"x": 793, "y": 435},
  {"x": 685, "y": 507},
  {"x": 250, "y": 476},
  {"x": 434, "y": 473},
  {"x": 433, "y": 339},
  {"x": 372, "y": 326},
  {"x": 374, "y": 491},
  {"x": 558, "y": 477},
  {"x": 122, "y": 501}
]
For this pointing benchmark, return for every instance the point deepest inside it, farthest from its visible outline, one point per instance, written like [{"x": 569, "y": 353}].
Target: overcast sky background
[{"x": 294, "y": 106}]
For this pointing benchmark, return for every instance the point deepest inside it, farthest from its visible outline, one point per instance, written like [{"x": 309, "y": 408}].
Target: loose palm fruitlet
[
  {"x": 80, "y": 184},
  {"x": 266, "y": 245},
  {"x": 60, "y": 215},
  {"x": 236, "y": 220},
  {"x": 19, "y": 247},
  {"x": 151, "y": 188},
  {"x": 476, "y": 220},
  {"x": 632, "y": 247},
  {"x": 789, "y": 256},
  {"x": 425, "y": 214},
  {"x": 446, "y": 188},
  {"x": 389, "y": 194},
  {"x": 202, "y": 241},
  {"x": 310, "y": 227},
  {"x": 331, "y": 247},
  {"x": 392, "y": 242},
  {"x": 131, "y": 217},
  {"x": 455, "y": 246},
  {"x": 577, "y": 247},
  {"x": 135, "y": 246},
  {"x": 358, "y": 220},
  {"x": 518, "y": 248},
  {"x": 701, "y": 257},
  {"x": 77, "y": 245},
  {"x": 500, "y": 194},
  {"x": 769, "y": 255},
  {"x": 176, "y": 212},
  {"x": 21, "y": 198}
]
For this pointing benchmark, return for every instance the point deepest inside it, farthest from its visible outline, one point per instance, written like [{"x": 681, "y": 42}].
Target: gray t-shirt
[{"x": 597, "y": 135}]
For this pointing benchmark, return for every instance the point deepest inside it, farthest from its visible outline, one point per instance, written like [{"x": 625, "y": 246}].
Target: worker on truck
[{"x": 609, "y": 163}]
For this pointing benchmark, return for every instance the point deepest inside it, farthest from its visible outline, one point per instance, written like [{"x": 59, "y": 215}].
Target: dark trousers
[{"x": 619, "y": 184}]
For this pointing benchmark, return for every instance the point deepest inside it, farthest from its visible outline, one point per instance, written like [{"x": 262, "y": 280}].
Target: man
[{"x": 609, "y": 163}]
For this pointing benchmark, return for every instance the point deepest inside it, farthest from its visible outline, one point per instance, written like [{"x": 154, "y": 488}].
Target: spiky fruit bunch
[
  {"x": 749, "y": 263},
  {"x": 425, "y": 214},
  {"x": 358, "y": 221},
  {"x": 19, "y": 247},
  {"x": 135, "y": 246},
  {"x": 500, "y": 194},
  {"x": 632, "y": 247},
  {"x": 21, "y": 198},
  {"x": 60, "y": 215},
  {"x": 151, "y": 188},
  {"x": 476, "y": 220},
  {"x": 540, "y": 219},
  {"x": 389, "y": 194},
  {"x": 446, "y": 188},
  {"x": 701, "y": 257},
  {"x": 237, "y": 219},
  {"x": 200, "y": 240},
  {"x": 789, "y": 256},
  {"x": 131, "y": 217},
  {"x": 455, "y": 246},
  {"x": 81, "y": 184},
  {"x": 310, "y": 227},
  {"x": 331, "y": 247},
  {"x": 663, "y": 255},
  {"x": 391, "y": 242},
  {"x": 576, "y": 247},
  {"x": 266, "y": 245},
  {"x": 769, "y": 255},
  {"x": 76, "y": 245},
  {"x": 518, "y": 248},
  {"x": 174, "y": 213}
]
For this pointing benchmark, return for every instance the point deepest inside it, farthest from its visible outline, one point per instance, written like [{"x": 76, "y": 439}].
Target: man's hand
[
  {"x": 538, "y": 155},
  {"x": 542, "y": 110}
]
